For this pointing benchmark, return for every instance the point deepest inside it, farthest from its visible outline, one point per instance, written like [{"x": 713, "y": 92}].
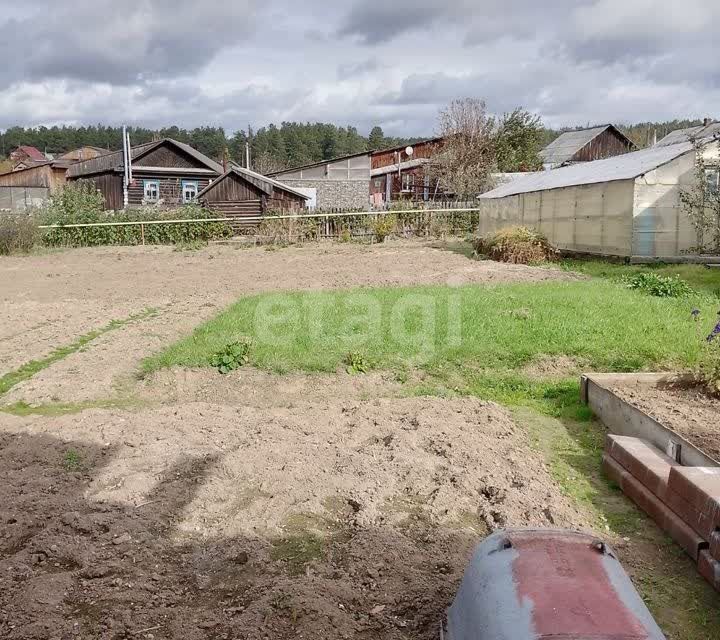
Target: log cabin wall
[{"x": 170, "y": 187}]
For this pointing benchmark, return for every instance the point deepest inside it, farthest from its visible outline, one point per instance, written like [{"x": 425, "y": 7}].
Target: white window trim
[
  {"x": 185, "y": 183},
  {"x": 146, "y": 183}
]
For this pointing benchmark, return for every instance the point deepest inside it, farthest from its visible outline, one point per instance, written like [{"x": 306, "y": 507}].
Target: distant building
[
  {"x": 165, "y": 172},
  {"x": 86, "y": 152},
  {"x": 396, "y": 174},
  {"x": 704, "y": 132},
  {"x": 241, "y": 193},
  {"x": 25, "y": 156},
  {"x": 586, "y": 145},
  {"x": 339, "y": 183},
  {"x": 625, "y": 206}
]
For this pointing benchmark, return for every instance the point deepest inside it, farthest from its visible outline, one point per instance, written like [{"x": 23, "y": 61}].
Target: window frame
[
  {"x": 146, "y": 183},
  {"x": 183, "y": 184},
  {"x": 710, "y": 171},
  {"x": 410, "y": 186}
]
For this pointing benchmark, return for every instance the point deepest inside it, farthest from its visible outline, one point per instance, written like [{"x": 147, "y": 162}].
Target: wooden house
[
  {"x": 86, "y": 152},
  {"x": 25, "y": 156},
  {"x": 165, "y": 172},
  {"x": 48, "y": 175},
  {"x": 396, "y": 174},
  {"x": 586, "y": 145},
  {"x": 242, "y": 193}
]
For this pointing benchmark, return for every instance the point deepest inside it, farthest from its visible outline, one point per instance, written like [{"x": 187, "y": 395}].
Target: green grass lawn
[
  {"x": 699, "y": 277},
  {"x": 602, "y": 324}
]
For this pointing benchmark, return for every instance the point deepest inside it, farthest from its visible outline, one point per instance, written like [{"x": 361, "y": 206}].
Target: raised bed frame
[{"x": 622, "y": 418}]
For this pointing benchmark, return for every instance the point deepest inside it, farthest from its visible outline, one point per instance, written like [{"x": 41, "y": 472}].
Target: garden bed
[{"x": 681, "y": 405}]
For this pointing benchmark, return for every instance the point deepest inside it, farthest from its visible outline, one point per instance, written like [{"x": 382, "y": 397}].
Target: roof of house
[
  {"x": 565, "y": 146},
  {"x": 32, "y": 152},
  {"x": 114, "y": 160},
  {"x": 392, "y": 168},
  {"x": 320, "y": 163},
  {"x": 411, "y": 144},
  {"x": 265, "y": 184},
  {"x": 624, "y": 167},
  {"x": 701, "y": 132},
  {"x": 55, "y": 164},
  {"x": 76, "y": 154}
]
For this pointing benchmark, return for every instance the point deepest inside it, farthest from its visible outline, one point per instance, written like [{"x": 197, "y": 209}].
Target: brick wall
[{"x": 337, "y": 194}]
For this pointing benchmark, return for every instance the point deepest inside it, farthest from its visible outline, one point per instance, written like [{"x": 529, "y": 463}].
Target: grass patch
[
  {"x": 55, "y": 409},
  {"x": 72, "y": 460},
  {"x": 29, "y": 369},
  {"x": 503, "y": 327},
  {"x": 297, "y": 551},
  {"x": 697, "y": 276}
]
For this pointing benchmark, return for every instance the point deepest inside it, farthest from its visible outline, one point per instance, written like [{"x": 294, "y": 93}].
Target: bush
[
  {"x": 81, "y": 203},
  {"x": 355, "y": 362},
  {"x": 232, "y": 357},
  {"x": 518, "y": 245},
  {"x": 659, "y": 286},
  {"x": 17, "y": 233},
  {"x": 383, "y": 226}
]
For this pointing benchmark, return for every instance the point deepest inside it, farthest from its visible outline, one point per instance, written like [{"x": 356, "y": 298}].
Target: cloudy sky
[{"x": 393, "y": 63}]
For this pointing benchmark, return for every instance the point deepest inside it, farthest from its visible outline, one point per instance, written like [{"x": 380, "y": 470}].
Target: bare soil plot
[
  {"x": 686, "y": 409},
  {"x": 49, "y": 300},
  {"x": 312, "y": 518}
]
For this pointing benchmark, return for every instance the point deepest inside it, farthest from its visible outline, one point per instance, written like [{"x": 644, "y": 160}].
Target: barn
[
  {"x": 586, "y": 145},
  {"x": 32, "y": 185},
  {"x": 241, "y": 193},
  {"x": 165, "y": 172},
  {"x": 626, "y": 206}
]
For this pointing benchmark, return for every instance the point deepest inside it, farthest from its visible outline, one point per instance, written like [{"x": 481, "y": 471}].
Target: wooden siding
[
  {"x": 167, "y": 156},
  {"x": 388, "y": 157},
  {"x": 232, "y": 187},
  {"x": 240, "y": 210},
  {"x": 110, "y": 185},
  {"x": 606, "y": 145}
]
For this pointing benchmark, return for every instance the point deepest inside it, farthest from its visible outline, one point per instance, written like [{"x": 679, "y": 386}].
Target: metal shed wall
[{"x": 595, "y": 218}]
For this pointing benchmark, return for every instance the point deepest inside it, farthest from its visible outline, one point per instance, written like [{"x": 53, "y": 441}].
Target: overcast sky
[{"x": 392, "y": 63}]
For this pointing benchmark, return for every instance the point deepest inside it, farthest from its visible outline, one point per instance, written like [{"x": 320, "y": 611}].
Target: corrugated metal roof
[
  {"x": 114, "y": 160},
  {"x": 625, "y": 167},
  {"x": 32, "y": 152},
  {"x": 320, "y": 163},
  {"x": 568, "y": 144},
  {"x": 701, "y": 132}
]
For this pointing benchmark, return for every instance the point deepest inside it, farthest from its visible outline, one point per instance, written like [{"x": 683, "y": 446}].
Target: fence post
[{"x": 142, "y": 233}]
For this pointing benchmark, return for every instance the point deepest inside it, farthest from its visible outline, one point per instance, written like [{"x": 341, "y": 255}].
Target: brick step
[
  {"x": 651, "y": 504},
  {"x": 697, "y": 491}
]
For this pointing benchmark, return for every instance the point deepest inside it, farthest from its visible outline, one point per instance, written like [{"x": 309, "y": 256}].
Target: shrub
[
  {"x": 383, "y": 226},
  {"x": 518, "y": 245},
  {"x": 659, "y": 286},
  {"x": 80, "y": 203},
  {"x": 232, "y": 357},
  {"x": 17, "y": 233},
  {"x": 708, "y": 369}
]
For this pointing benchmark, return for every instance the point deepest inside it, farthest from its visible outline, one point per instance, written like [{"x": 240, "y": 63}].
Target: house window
[
  {"x": 151, "y": 190},
  {"x": 189, "y": 190},
  {"x": 712, "y": 178},
  {"x": 408, "y": 181}
]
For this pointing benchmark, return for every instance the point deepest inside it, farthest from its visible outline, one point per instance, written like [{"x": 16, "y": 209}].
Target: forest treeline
[{"x": 272, "y": 147}]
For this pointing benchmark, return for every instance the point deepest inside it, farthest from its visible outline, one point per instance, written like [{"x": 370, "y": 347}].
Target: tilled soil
[
  {"x": 248, "y": 505},
  {"x": 318, "y": 519},
  {"x": 686, "y": 409},
  {"x": 48, "y": 301}
]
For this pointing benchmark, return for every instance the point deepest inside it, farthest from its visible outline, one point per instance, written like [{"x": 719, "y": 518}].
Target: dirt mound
[{"x": 324, "y": 520}]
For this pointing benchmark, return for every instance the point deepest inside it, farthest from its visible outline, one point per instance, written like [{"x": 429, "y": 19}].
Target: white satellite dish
[{"x": 409, "y": 151}]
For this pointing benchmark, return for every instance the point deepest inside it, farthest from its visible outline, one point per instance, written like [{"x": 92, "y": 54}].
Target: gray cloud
[
  {"x": 120, "y": 43},
  {"x": 159, "y": 62}
]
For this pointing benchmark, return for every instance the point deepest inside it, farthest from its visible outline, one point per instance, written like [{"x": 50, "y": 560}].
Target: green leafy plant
[
  {"x": 18, "y": 233},
  {"x": 518, "y": 245},
  {"x": 356, "y": 363},
  {"x": 345, "y": 235},
  {"x": 72, "y": 460},
  {"x": 232, "y": 357},
  {"x": 81, "y": 202},
  {"x": 659, "y": 286},
  {"x": 383, "y": 226},
  {"x": 708, "y": 366}
]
